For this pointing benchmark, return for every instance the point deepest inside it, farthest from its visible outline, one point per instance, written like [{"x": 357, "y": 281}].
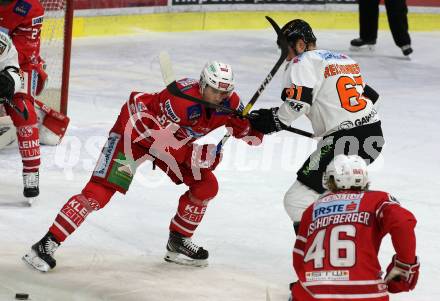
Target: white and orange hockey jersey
[{"x": 328, "y": 88}]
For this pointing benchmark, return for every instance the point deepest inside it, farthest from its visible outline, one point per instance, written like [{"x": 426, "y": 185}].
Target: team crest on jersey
[
  {"x": 194, "y": 112},
  {"x": 321, "y": 209},
  {"x": 37, "y": 20},
  {"x": 22, "y": 8}
]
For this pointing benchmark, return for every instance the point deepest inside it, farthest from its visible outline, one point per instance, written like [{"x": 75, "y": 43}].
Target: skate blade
[
  {"x": 30, "y": 201},
  {"x": 182, "y": 260},
  {"x": 36, "y": 262},
  {"x": 365, "y": 48}
]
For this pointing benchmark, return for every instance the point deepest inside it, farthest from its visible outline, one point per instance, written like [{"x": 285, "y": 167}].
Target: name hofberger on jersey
[{"x": 356, "y": 217}]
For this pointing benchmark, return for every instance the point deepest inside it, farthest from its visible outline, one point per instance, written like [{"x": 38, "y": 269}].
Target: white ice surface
[{"x": 117, "y": 253}]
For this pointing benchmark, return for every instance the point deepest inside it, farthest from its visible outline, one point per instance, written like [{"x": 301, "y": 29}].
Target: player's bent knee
[
  {"x": 297, "y": 199},
  {"x": 97, "y": 195},
  {"x": 206, "y": 189}
]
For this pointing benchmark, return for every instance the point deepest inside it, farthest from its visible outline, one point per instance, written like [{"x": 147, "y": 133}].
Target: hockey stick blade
[
  {"x": 166, "y": 68},
  {"x": 170, "y": 81}
]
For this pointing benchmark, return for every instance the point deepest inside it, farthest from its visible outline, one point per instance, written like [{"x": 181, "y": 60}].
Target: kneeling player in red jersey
[
  {"x": 336, "y": 250},
  {"x": 161, "y": 128}
]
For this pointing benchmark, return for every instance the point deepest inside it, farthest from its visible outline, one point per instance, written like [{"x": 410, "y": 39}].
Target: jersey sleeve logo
[
  {"x": 300, "y": 93},
  {"x": 22, "y": 8},
  {"x": 170, "y": 112}
]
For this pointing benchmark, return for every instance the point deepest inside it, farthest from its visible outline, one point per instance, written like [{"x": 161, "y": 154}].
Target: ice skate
[
  {"x": 40, "y": 256},
  {"x": 182, "y": 250},
  {"x": 31, "y": 188},
  {"x": 361, "y": 45},
  {"x": 406, "y": 50}
]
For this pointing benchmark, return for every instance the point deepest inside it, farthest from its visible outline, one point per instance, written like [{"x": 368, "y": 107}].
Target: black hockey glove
[
  {"x": 266, "y": 121},
  {"x": 7, "y": 86}
]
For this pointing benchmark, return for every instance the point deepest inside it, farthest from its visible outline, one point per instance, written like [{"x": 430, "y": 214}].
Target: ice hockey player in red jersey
[
  {"x": 22, "y": 21},
  {"x": 161, "y": 128},
  {"x": 336, "y": 250}
]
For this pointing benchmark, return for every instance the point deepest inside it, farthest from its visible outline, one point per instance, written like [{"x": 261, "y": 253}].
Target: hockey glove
[
  {"x": 266, "y": 121},
  {"x": 205, "y": 156},
  {"x": 238, "y": 127},
  {"x": 7, "y": 86},
  {"x": 402, "y": 277}
]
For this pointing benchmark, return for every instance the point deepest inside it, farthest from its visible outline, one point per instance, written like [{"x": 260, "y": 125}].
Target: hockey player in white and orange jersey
[
  {"x": 328, "y": 88},
  {"x": 336, "y": 249}
]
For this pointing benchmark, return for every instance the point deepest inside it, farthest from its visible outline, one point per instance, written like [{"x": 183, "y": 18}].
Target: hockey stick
[
  {"x": 170, "y": 81},
  {"x": 284, "y": 52},
  {"x": 267, "y": 80}
]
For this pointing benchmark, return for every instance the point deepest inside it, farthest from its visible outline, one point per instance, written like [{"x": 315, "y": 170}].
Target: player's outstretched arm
[{"x": 403, "y": 271}]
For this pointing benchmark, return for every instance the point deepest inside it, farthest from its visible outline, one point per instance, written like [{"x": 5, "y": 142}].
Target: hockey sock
[
  {"x": 29, "y": 147},
  {"x": 71, "y": 216},
  {"x": 189, "y": 215}
]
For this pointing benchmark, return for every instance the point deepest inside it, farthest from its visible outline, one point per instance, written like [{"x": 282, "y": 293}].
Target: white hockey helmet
[
  {"x": 347, "y": 172},
  {"x": 5, "y": 45},
  {"x": 218, "y": 76}
]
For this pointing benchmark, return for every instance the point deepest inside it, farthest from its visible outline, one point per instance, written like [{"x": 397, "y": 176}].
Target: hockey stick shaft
[
  {"x": 284, "y": 52},
  {"x": 268, "y": 79}
]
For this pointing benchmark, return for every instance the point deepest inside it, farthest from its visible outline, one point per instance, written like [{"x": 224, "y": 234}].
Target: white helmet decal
[
  {"x": 347, "y": 171},
  {"x": 218, "y": 76}
]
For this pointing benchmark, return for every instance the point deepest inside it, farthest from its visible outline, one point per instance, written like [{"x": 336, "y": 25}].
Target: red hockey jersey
[
  {"x": 145, "y": 111},
  {"x": 22, "y": 20},
  {"x": 335, "y": 253}
]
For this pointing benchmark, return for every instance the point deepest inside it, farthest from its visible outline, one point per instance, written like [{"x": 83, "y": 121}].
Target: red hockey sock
[
  {"x": 70, "y": 217},
  {"x": 188, "y": 216},
  {"x": 93, "y": 197},
  {"x": 29, "y": 147}
]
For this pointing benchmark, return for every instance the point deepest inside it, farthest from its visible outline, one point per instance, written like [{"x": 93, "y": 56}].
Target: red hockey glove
[
  {"x": 240, "y": 127},
  {"x": 254, "y": 138},
  {"x": 204, "y": 156},
  {"x": 402, "y": 277}
]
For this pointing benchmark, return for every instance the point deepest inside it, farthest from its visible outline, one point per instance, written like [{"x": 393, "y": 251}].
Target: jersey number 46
[{"x": 342, "y": 252}]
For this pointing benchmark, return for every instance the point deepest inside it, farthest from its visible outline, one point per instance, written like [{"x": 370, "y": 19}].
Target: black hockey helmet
[{"x": 298, "y": 29}]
